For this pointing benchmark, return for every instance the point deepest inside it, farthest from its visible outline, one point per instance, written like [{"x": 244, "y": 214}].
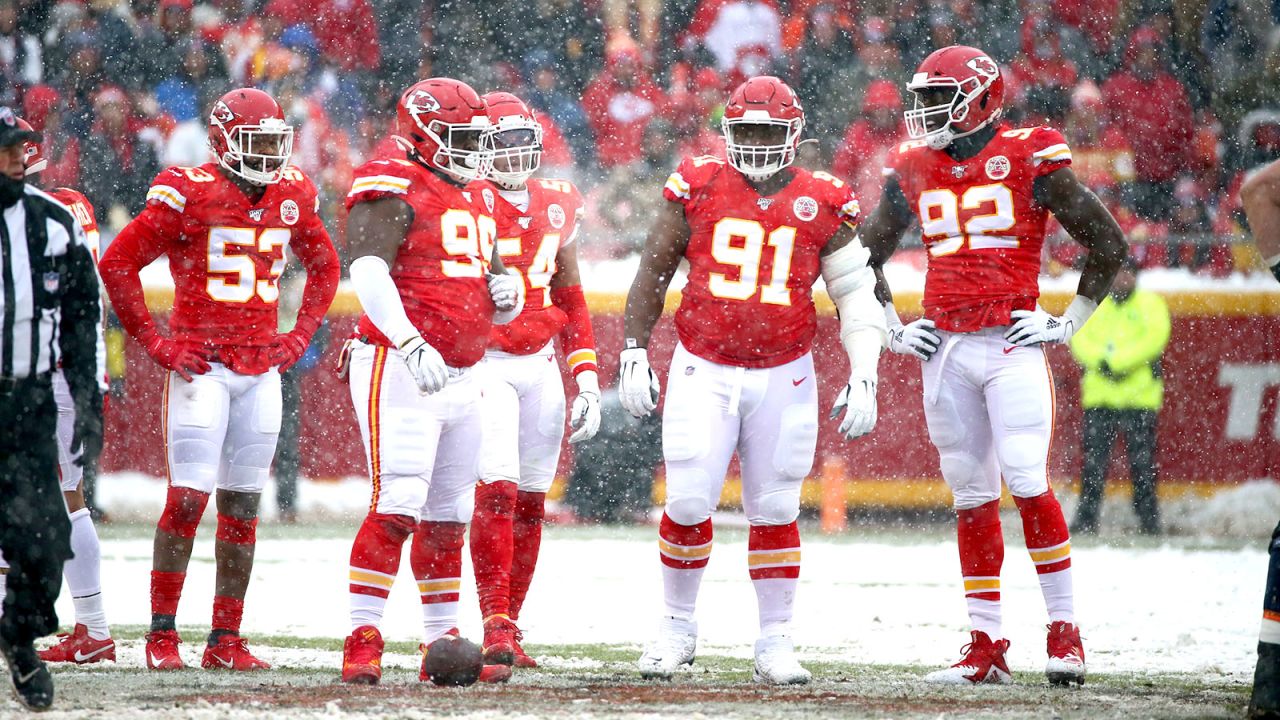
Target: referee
[{"x": 49, "y": 310}]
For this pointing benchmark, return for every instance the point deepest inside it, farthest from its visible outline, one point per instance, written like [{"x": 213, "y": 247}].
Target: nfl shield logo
[
  {"x": 524, "y": 222},
  {"x": 764, "y": 203},
  {"x": 256, "y": 215},
  {"x": 51, "y": 282},
  {"x": 957, "y": 171}
]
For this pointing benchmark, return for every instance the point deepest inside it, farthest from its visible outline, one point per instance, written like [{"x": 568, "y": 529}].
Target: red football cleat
[
  {"x": 495, "y": 674},
  {"x": 162, "y": 650},
  {"x": 231, "y": 653},
  {"x": 499, "y": 640},
  {"x": 362, "y": 656},
  {"x": 77, "y": 647},
  {"x": 522, "y": 658},
  {"x": 983, "y": 663},
  {"x": 1066, "y": 655}
]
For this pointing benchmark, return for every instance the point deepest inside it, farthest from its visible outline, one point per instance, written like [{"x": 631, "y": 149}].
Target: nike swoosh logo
[
  {"x": 155, "y": 662},
  {"x": 22, "y": 679},
  {"x": 796, "y": 383},
  {"x": 223, "y": 663},
  {"x": 1010, "y": 349},
  {"x": 81, "y": 657}
]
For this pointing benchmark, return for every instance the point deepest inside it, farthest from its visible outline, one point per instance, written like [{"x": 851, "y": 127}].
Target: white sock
[
  {"x": 1059, "y": 595},
  {"x": 680, "y": 591},
  {"x": 985, "y": 615},
  {"x": 776, "y": 598},
  {"x": 438, "y": 619},
  {"x": 84, "y": 575},
  {"x": 366, "y": 610}
]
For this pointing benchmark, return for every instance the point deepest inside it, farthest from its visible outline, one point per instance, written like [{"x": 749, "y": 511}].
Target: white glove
[
  {"x": 918, "y": 338},
  {"x": 858, "y": 399},
  {"x": 426, "y": 364},
  {"x": 638, "y": 386},
  {"x": 584, "y": 418},
  {"x": 505, "y": 291},
  {"x": 1033, "y": 327}
]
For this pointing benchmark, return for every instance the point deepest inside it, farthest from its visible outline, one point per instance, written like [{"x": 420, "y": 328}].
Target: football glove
[
  {"x": 504, "y": 290},
  {"x": 1033, "y": 327},
  {"x": 178, "y": 357},
  {"x": 288, "y": 349},
  {"x": 425, "y": 364},
  {"x": 858, "y": 401},
  {"x": 918, "y": 338},
  {"x": 638, "y": 386}
]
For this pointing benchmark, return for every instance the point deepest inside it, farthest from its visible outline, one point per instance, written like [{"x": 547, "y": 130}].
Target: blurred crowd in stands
[{"x": 1167, "y": 103}]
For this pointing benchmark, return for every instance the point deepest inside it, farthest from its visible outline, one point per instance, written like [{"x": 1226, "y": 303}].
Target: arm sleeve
[
  {"x": 380, "y": 299},
  {"x": 577, "y": 337},
  {"x": 316, "y": 253},
  {"x": 1141, "y": 349},
  {"x": 81, "y": 317},
  {"x": 137, "y": 246}
]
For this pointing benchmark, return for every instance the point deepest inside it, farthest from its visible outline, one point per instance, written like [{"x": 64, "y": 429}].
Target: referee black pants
[
  {"x": 1102, "y": 427},
  {"x": 35, "y": 533}
]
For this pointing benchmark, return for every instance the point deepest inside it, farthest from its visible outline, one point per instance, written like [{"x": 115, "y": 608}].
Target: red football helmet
[
  {"x": 974, "y": 101},
  {"x": 34, "y": 160},
  {"x": 513, "y": 140},
  {"x": 440, "y": 121},
  {"x": 249, "y": 137},
  {"x": 762, "y": 124}
]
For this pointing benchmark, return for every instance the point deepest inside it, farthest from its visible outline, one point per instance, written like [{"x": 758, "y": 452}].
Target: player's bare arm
[
  {"x": 375, "y": 232},
  {"x": 1260, "y": 195},
  {"x": 638, "y": 386},
  {"x": 1089, "y": 223},
  {"x": 881, "y": 234}
]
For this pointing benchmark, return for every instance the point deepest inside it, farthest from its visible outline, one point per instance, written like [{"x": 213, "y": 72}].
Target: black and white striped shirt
[{"x": 48, "y": 291}]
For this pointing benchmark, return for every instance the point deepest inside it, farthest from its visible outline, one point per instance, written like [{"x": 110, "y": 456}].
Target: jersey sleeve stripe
[
  {"x": 168, "y": 196},
  {"x": 1052, "y": 151},
  {"x": 677, "y": 186},
  {"x": 1063, "y": 155},
  {"x": 578, "y": 357},
  {"x": 379, "y": 183}
]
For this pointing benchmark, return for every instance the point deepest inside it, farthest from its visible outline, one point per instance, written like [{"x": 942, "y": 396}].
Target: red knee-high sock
[
  {"x": 527, "y": 536},
  {"x": 491, "y": 543},
  {"x": 166, "y": 590},
  {"x": 375, "y": 560},
  {"x": 436, "y": 559},
  {"x": 981, "y": 544},
  {"x": 1049, "y": 543},
  {"x": 773, "y": 561}
]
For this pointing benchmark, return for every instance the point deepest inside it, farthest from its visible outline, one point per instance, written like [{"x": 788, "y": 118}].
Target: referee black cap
[{"x": 11, "y": 133}]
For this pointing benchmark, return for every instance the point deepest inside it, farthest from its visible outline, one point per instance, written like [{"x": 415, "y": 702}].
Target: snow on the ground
[{"x": 1162, "y": 609}]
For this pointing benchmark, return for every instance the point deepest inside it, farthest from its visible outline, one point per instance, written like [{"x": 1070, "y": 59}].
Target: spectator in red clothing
[
  {"x": 619, "y": 103},
  {"x": 860, "y": 159},
  {"x": 1100, "y": 154},
  {"x": 1042, "y": 78},
  {"x": 345, "y": 30},
  {"x": 738, "y": 31},
  {"x": 117, "y": 164},
  {"x": 1151, "y": 107},
  {"x": 42, "y": 107}
]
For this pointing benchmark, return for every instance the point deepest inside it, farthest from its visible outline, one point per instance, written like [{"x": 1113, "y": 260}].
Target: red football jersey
[
  {"x": 226, "y": 253},
  {"x": 82, "y": 210},
  {"x": 528, "y": 242},
  {"x": 440, "y": 268},
  {"x": 981, "y": 223},
  {"x": 753, "y": 260}
]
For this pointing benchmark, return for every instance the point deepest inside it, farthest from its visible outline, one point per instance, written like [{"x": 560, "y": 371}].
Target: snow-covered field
[{"x": 1170, "y": 626}]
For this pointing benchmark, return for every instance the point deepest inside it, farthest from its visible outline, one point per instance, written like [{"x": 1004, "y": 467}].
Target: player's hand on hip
[
  {"x": 179, "y": 357},
  {"x": 918, "y": 338},
  {"x": 638, "y": 386},
  {"x": 505, "y": 291},
  {"x": 287, "y": 349},
  {"x": 1033, "y": 327},
  {"x": 858, "y": 402},
  {"x": 425, "y": 364}
]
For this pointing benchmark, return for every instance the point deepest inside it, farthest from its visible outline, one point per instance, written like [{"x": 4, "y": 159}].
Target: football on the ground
[{"x": 453, "y": 661}]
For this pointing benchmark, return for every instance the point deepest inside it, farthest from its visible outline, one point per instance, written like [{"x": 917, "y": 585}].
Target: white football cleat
[
  {"x": 776, "y": 662},
  {"x": 677, "y": 639},
  {"x": 983, "y": 662}
]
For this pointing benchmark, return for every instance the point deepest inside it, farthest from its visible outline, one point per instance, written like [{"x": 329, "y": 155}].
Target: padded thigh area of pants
[{"x": 405, "y": 445}]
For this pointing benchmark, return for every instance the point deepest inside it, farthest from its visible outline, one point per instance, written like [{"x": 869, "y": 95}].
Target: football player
[
  {"x": 431, "y": 287},
  {"x": 523, "y": 395},
  {"x": 983, "y": 191},
  {"x": 1260, "y": 195},
  {"x": 757, "y": 233},
  {"x": 90, "y": 641},
  {"x": 225, "y": 226}
]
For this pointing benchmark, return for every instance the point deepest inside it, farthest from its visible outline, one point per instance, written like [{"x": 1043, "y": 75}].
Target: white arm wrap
[
  {"x": 851, "y": 285},
  {"x": 1079, "y": 312},
  {"x": 380, "y": 299}
]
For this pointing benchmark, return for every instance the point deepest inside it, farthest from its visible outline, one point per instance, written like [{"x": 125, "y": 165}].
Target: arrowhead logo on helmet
[
  {"x": 440, "y": 123},
  {"x": 249, "y": 136},
  {"x": 422, "y": 101}
]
